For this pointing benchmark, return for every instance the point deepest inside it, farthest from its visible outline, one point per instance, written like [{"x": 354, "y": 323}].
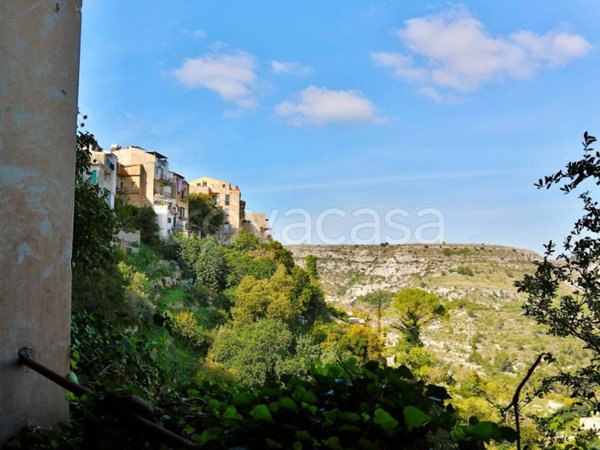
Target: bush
[{"x": 465, "y": 270}]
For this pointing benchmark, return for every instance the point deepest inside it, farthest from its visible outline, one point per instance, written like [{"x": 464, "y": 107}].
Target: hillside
[{"x": 485, "y": 329}]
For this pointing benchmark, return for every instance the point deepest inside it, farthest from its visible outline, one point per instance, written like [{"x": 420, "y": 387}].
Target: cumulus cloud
[
  {"x": 318, "y": 106},
  {"x": 454, "y": 51},
  {"x": 282, "y": 67},
  {"x": 232, "y": 75}
]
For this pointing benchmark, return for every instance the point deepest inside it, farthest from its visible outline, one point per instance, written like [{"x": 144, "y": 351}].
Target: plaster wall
[{"x": 39, "y": 72}]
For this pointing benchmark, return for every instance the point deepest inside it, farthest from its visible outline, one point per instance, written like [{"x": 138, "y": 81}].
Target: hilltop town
[{"x": 142, "y": 178}]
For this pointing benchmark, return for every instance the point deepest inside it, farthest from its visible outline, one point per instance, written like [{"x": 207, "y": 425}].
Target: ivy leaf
[
  {"x": 261, "y": 413},
  {"x": 231, "y": 413},
  {"x": 384, "y": 420},
  {"x": 288, "y": 403},
  {"x": 414, "y": 417},
  {"x": 333, "y": 443}
]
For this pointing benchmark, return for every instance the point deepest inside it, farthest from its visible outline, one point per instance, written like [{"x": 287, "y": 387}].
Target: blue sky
[{"x": 457, "y": 107}]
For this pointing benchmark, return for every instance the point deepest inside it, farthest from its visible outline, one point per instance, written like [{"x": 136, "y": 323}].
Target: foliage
[
  {"x": 255, "y": 352},
  {"x": 337, "y": 406},
  {"x": 354, "y": 341},
  {"x": 245, "y": 241},
  {"x": 241, "y": 265},
  {"x": 377, "y": 300},
  {"x": 261, "y": 299},
  {"x": 148, "y": 224},
  {"x": 311, "y": 266},
  {"x": 464, "y": 270},
  {"x": 205, "y": 216},
  {"x": 187, "y": 327},
  {"x": 97, "y": 285},
  {"x": 206, "y": 260},
  {"x": 415, "y": 308},
  {"x": 564, "y": 292},
  {"x": 94, "y": 222},
  {"x": 127, "y": 215}
]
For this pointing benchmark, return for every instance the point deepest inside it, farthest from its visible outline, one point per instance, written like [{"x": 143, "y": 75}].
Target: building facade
[
  {"x": 224, "y": 195},
  {"x": 256, "y": 222},
  {"x": 103, "y": 172},
  {"x": 144, "y": 179}
]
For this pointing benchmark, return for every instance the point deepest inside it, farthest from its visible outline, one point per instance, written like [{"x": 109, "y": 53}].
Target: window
[
  {"x": 225, "y": 227},
  {"x": 94, "y": 177},
  {"x": 226, "y": 199},
  {"x": 133, "y": 184}
]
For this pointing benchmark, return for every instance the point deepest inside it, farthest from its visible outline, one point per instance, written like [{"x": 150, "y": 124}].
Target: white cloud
[
  {"x": 454, "y": 51},
  {"x": 196, "y": 34},
  {"x": 232, "y": 75},
  {"x": 289, "y": 68},
  {"x": 317, "y": 106}
]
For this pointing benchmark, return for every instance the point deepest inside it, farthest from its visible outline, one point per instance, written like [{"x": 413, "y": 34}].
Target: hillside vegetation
[{"x": 485, "y": 329}]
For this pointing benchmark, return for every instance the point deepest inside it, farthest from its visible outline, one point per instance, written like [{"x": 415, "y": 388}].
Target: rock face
[
  {"x": 475, "y": 282},
  {"x": 349, "y": 271}
]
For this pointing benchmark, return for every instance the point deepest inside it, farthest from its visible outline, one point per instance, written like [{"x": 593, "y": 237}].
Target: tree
[
  {"x": 97, "y": 284},
  {"x": 205, "y": 216},
  {"x": 576, "y": 313},
  {"x": 148, "y": 224},
  {"x": 266, "y": 299},
  {"x": 254, "y": 352},
  {"x": 311, "y": 266},
  {"x": 377, "y": 300},
  {"x": 415, "y": 308},
  {"x": 94, "y": 224},
  {"x": 245, "y": 241},
  {"x": 354, "y": 341},
  {"x": 211, "y": 265}
]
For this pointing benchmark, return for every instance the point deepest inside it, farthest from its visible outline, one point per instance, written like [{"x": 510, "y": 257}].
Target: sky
[{"x": 357, "y": 121}]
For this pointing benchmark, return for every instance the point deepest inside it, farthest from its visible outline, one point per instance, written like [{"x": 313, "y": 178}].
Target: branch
[{"x": 515, "y": 400}]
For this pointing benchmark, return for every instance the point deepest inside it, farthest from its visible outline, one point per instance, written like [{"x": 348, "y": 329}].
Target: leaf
[
  {"x": 288, "y": 403},
  {"x": 231, "y": 413},
  {"x": 414, "y": 417},
  {"x": 484, "y": 431},
  {"x": 333, "y": 443},
  {"x": 261, "y": 413},
  {"x": 508, "y": 434},
  {"x": 384, "y": 420}
]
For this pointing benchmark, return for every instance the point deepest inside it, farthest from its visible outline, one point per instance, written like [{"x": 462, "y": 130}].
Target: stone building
[
  {"x": 227, "y": 197},
  {"x": 256, "y": 222},
  {"x": 144, "y": 179},
  {"x": 103, "y": 172}
]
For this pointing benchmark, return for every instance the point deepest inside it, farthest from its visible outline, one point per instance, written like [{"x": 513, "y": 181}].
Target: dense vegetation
[{"x": 233, "y": 346}]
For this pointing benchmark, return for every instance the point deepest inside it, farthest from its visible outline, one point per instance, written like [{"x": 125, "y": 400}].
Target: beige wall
[
  {"x": 221, "y": 188},
  {"x": 39, "y": 67}
]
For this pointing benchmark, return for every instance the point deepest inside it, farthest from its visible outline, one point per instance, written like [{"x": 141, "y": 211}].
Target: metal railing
[{"x": 139, "y": 411}]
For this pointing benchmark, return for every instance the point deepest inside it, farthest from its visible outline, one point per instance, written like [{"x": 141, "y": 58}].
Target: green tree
[
  {"x": 127, "y": 215},
  {"x": 205, "y": 216},
  {"x": 261, "y": 299},
  {"x": 205, "y": 260},
  {"x": 97, "y": 284},
  {"x": 415, "y": 308},
  {"x": 377, "y": 300},
  {"x": 353, "y": 341},
  {"x": 148, "y": 225},
  {"x": 575, "y": 269},
  {"x": 211, "y": 265},
  {"x": 94, "y": 225},
  {"x": 255, "y": 352},
  {"x": 311, "y": 266},
  {"x": 245, "y": 241}
]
